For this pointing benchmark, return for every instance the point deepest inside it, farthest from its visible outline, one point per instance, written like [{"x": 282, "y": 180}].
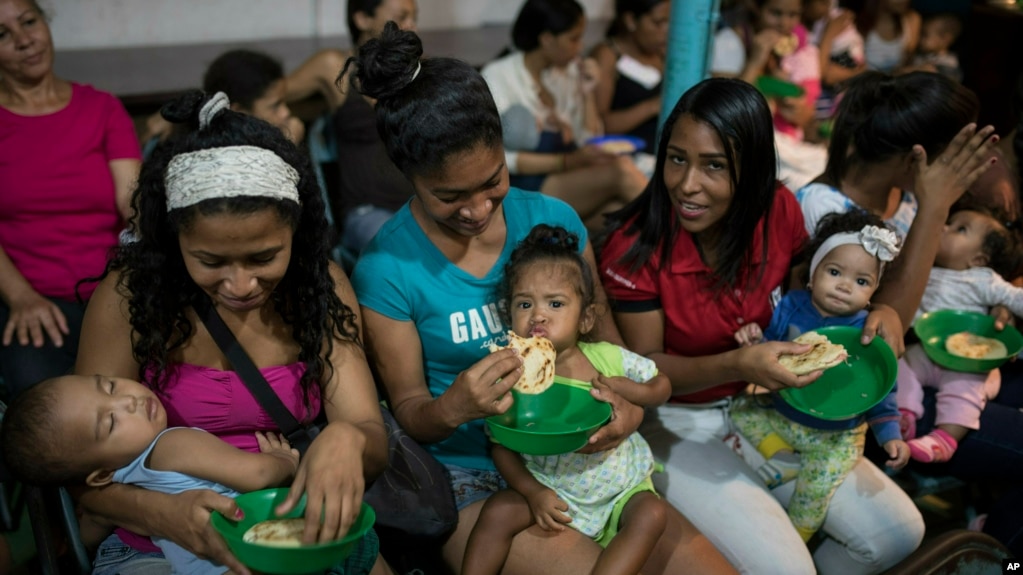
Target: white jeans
[{"x": 871, "y": 524}]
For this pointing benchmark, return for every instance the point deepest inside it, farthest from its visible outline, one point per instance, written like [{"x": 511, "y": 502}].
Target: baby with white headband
[{"x": 849, "y": 254}]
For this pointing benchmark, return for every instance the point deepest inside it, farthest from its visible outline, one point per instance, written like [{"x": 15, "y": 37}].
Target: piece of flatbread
[
  {"x": 973, "y": 346},
  {"x": 786, "y": 45},
  {"x": 823, "y": 355},
  {"x": 618, "y": 147},
  {"x": 276, "y": 532},
  {"x": 538, "y": 357}
]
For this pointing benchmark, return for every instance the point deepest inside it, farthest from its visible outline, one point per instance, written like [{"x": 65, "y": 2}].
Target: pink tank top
[{"x": 219, "y": 402}]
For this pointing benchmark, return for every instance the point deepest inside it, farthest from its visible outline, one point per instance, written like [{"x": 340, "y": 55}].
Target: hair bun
[
  {"x": 550, "y": 237},
  {"x": 185, "y": 108},
  {"x": 385, "y": 65}
]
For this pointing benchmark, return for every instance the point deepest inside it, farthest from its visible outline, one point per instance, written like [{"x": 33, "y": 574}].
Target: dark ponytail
[
  {"x": 423, "y": 117},
  {"x": 881, "y": 117}
]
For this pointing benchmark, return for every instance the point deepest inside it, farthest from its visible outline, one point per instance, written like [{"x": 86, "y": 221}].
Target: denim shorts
[
  {"x": 114, "y": 557},
  {"x": 472, "y": 485}
]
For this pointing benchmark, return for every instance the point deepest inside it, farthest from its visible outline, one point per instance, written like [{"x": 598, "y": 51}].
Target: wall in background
[{"x": 91, "y": 24}]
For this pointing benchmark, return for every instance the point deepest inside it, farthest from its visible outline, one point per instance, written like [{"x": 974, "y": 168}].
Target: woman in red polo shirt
[{"x": 707, "y": 248}]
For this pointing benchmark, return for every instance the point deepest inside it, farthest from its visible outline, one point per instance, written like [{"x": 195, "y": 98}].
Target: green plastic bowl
[
  {"x": 559, "y": 420},
  {"x": 772, "y": 87},
  {"x": 934, "y": 327},
  {"x": 258, "y": 506},
  {"x": 852, "y": 387}
]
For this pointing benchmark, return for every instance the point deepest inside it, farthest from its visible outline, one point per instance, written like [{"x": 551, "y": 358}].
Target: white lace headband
[
  {"x": 881, "y": 243},
  {"x": 228, "y": 172}
]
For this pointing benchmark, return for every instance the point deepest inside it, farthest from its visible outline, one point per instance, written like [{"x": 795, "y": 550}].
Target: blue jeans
[
  {"x": 114, "y": 557},
  {"x": 22, "y": 366}
]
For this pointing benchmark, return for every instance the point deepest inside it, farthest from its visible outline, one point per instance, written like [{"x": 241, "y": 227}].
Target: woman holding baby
[{"x": 229, "y": 214}]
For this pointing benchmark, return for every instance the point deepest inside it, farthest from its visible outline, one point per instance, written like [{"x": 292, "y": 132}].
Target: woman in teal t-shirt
[{"x": 427, "y": 285}]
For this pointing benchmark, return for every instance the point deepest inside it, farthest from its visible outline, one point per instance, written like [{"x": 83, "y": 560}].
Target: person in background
[
  {"x": 934, "y": 53},
  {"x": 833, "y": 30},
  {"x": 891, "y": 31},
  {"x": 772, "y": 41},
  {"x": 548, "y": 107},
  {"x": 631, "y": 62},
  {"x": 255, "y": 84},
  {"x": 430, "y": 349},
  {"x": 370, "y": 189},
  {"x": 68, "y": 161}
]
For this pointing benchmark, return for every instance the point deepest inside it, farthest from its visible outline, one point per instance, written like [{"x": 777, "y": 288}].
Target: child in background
[
  {"x": 608, "y": 495},
  {"x": 100, "y": 430},
  {"x": 976, "y": 250},
  {"x": 833, "y": 31},
  {"x": 850, "y": 251},
  {"x": 937, "y": 35}
]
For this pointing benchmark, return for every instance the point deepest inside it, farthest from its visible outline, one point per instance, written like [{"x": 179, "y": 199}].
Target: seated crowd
[{"x": 829, "y": 172}]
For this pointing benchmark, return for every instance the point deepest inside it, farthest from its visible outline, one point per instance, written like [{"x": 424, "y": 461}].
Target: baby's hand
[
  {"x": 548, "y": 510},
  {"x": 749, "y": 334},
  {"x": 275, "y": 444},
  {"x": 898, "y": 453}
]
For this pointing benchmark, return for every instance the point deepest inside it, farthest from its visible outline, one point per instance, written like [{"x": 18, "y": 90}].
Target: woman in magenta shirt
[{"x": 68, "y": 159}]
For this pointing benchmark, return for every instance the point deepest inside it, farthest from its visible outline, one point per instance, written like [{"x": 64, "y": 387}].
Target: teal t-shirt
[{"x": 403, "y": 276}]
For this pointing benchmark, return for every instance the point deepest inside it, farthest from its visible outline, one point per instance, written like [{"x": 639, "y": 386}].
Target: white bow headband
[
  {"x": 881, "y": 243},
  {"x": 227, "y": 172}
]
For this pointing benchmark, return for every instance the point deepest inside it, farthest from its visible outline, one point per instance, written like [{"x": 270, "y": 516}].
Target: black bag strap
[{"x": 246, "y": 370}]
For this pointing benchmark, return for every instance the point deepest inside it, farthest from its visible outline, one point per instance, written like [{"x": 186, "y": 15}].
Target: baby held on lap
[{"x": 99, "y": 430}]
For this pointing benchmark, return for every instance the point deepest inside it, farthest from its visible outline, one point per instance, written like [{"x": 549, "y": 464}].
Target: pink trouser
[{"x": 961, "y": 396}]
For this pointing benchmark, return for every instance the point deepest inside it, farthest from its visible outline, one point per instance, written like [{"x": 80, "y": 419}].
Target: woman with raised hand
[
  {"x": 428, "y": 285},
  {"x": 229, "y": 215}
]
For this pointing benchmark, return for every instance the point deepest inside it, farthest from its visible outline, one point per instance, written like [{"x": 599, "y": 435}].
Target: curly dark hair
[
  {"x": 837, "y": 223},
  {"x": 547, "y": 244},
  {"x": 34, "y": 446},
  {"x": 158, "y": 287}
]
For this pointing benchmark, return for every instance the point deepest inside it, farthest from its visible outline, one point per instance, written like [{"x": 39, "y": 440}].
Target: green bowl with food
[
  {"x": 852, "y": 387},
  {"x": 559, "y": 420},
  {"x": 280, "y": 552},
  {"x": 966, "y": 341}
]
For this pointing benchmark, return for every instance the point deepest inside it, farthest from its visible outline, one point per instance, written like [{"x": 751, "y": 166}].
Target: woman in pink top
[
  {"x": 231, "y": 213},
  {"x": 68, "y": 158}
]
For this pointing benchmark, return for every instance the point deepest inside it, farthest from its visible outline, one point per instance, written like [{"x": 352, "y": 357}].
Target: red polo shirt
[{"x": 699, "y": 319}]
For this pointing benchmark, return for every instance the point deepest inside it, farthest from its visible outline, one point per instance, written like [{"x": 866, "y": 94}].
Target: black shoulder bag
[{"x": 412, "y": 495}]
